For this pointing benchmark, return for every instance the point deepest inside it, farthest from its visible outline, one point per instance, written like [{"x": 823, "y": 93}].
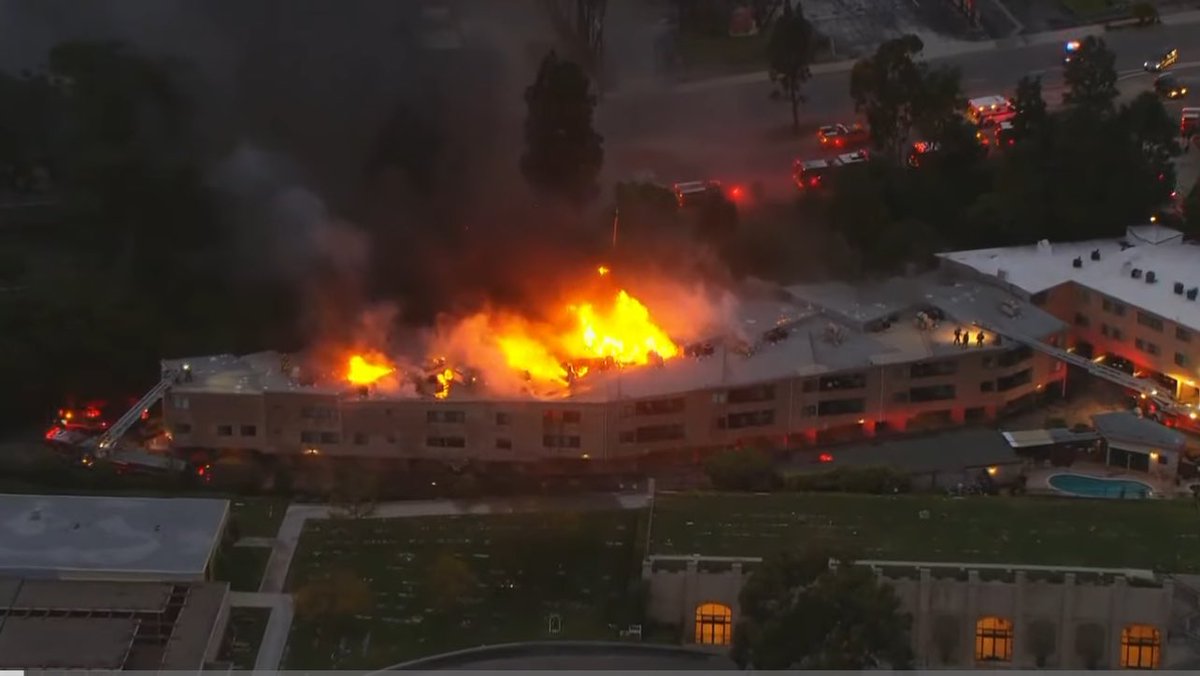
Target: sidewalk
[{"x": 943, "y": 50}]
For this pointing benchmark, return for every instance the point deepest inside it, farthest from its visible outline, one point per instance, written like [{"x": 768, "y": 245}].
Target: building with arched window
[
  {"x": 714, "y": 624},
  {"x": 981, "y": 616},
  {"x": 1141, "y": 646}
]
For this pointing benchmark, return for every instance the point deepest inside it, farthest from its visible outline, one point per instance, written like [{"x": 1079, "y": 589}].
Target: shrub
[
  {"x": 1144, "y": 12},
  {"x": 872, "y": 480},
  {"x": 742, "y": 470}
]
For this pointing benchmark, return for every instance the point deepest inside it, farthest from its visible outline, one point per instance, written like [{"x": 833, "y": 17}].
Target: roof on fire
[{"x": 829, "y": 327}]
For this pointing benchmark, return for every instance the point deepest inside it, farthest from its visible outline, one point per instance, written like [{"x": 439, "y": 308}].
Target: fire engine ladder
[
  {"x": 1147, "y": 388},
  {"x": 106, "y": 442}
]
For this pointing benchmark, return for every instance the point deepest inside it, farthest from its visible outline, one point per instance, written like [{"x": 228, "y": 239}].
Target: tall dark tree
[
  {"x": 563, "y": 153},
  {"x": 1091, "y": 77},
  {"x": 765, "y": 12},
  {"x": 1191, "y": 210},
  {"x": 1152, "y": 129},
  {"x": 1031, "y": 117},
  {"x": 789, "y": 52},
  {"x": 798, "y": 613},
  {"x": 884, "y": 87}
]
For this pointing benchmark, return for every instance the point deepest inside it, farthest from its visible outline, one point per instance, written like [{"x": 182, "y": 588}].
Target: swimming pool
[{"x": 1094, "y": 487}]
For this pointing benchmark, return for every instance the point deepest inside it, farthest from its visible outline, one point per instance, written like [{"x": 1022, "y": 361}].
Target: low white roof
[{"x": 1149, "y": 248}]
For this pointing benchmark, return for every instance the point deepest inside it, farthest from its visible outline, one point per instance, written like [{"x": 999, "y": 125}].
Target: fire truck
[
  {"x": 1189, "y": 122},
  {"x": 811, "y": 174}
]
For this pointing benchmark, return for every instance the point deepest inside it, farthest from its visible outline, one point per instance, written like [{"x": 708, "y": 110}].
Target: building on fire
[{"x": 986, "y": 334}]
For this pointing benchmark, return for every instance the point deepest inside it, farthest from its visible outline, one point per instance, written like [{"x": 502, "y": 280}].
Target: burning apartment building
[{"x": 618, "y": 379}]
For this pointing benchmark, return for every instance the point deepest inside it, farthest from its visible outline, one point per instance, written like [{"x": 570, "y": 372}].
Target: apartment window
[
  {"x": 752, "y": 394},
  {"x": 504, "y": 444},
  {"x": 653, "y": 433},
  {"x": 987, "y": 362},
  {"x": 931, "y": 369},
  {"x": 503, "y": 419},
  {"x": 720, "y": 397},
  {"x": 987, "y": 386},
  {"x": 931, "y": 393},
  {"x": 1113, "y": 307},
  {"x": 446, "y": 442},
  {"x": 183, "y": 428},
  {"x": 1017, "y": 379},
  {"x": 452, "y": 417},
  {"x": 659, "y": 406},
  {"x": 841, "y": 407},
  {"x": 566, "y": 417},
  {"x": 847, "y": 381},
  {"x": 309, "y": 437},
  {"x": 737, "y": 421},
  {"x": 1150, "y": 321},
  {"x": 1145, "y": 346},
  {"x": 1116, "y": 334},
  {"x": 330, "y": 438},
  {"x": 571, "y": 417},
  {"x": 224, "y": 430},
  {"x": 180, "y": 402},
  {"x": 560, "y": 441},
  {"x": 1181, "y": 359},
  {"x": 1181, "y": 334},
  {"x": 317, "y": 413},
  {"x": 249, "y": 430},
  {"x": 1081, "y": 319},
  {"x": 1141, "y": 646},
  {"x": 360, "y": 439},
  {"x": 1016, "y": 356},
  {"x": 993, "y": 639},
  {"x": 1104, "y": 329},
  {"x": 809, "y": 411}
]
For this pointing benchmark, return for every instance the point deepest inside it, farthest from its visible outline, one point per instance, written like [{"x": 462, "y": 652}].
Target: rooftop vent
[
  {"x": 1151, "y": 277},
  {"x": 1078, "y": 262},
  {"x": 1191, "y": 293},
  {"x": 1095, "y": 254},
  {"x": 1125, "y": 245},
  {"x": 1178, "y": 288},
  {"x": 1136, "y": 273}
]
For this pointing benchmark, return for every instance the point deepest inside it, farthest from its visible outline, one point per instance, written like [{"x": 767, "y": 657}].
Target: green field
[
  {"x": 1151, "y": 534},
  {"x": 243, "y": 636},
  {"x": 257, "y": 517},
  {"x": 444, "y": 583}
]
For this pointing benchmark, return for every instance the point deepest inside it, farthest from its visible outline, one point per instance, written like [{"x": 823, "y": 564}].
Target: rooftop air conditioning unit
[
  {"x": 1078, "y": 262},
  {"x": 1151, "y": 277},
  {"x": 1136, "y": 273},
  {"x": 1191, "y": 293},
  {"x": 1095, "y": 254},
  {"x": 1178, "y": 288}
]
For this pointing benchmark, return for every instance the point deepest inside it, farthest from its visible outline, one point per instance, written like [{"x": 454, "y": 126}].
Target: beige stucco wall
[{"x": 677, "y": 588}]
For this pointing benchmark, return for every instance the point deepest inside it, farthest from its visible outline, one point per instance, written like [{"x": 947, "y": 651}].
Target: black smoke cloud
[{"x": 344, "y": 150}]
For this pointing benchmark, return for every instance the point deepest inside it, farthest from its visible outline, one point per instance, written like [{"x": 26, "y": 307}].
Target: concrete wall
[
  {"x": 790, "y": 411},
  {"x": 946, "y": 609}
]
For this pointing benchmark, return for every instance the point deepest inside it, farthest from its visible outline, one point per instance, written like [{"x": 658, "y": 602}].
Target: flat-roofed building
[
  {"x": 801, "y": 365},
  {"x": 109, "y": 538},
  {"x": 67, "y": 624}
]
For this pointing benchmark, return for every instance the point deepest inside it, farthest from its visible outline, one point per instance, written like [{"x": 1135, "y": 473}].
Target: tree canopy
[
  {"x": 789, "y": 51},
  {"x": 799, "y": 613},
  {"x": 1091, "y": 76},
  {"x": 563, "y": 153}
]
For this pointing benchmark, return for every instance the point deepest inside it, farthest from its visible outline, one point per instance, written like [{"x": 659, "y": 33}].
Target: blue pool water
[{"x": 1092, "y": 487}]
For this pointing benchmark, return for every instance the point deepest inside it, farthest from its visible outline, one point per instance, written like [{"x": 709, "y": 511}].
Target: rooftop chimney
[
  {"x": 1191, "y": 293},
  {"x": 1044, "y": 247},
  {"x": 1095, "y": 254},
  {"x": 1151, "y": 277},
  {"x": 1136, "y": 273},
  {"x": 1078, "y": 262}
]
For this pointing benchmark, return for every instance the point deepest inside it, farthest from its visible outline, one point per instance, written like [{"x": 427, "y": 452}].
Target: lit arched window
[
  {"x": 993, "y": 639},
  {"x": 1140, "y": 647},
  {"x": 714, "y": 624}
]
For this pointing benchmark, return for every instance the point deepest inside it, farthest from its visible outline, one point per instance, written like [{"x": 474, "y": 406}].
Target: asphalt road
[{"x": 735, "y": 133}]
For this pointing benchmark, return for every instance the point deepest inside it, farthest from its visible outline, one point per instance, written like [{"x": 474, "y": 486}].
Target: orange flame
[
  {"x": 362, "y": 372},
  {"x": 443, "y": 380}
]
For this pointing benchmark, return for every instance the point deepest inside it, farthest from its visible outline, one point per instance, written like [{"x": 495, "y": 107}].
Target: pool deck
[{"x": 1039, "y": 480}]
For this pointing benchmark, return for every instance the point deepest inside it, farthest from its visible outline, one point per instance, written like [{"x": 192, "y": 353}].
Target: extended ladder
[{"x": 106, "y": 442}]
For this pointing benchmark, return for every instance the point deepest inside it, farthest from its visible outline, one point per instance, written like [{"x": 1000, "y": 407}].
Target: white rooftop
[
  {"x": 63, "y": 536},
  {"x": 1148, "y": 248}
]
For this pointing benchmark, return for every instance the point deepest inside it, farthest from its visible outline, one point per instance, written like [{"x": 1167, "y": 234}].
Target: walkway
[{"x": 271, "y": 592}]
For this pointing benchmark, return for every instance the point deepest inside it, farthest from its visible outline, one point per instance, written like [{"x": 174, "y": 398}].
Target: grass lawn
[
  {"x": 444, "y": 583},
  {"x": 257, "y": 517},
  {"x": 1151, "y": 534},
  {"x": 243, "y": 636},
  {"x": 705, "y": 55},
  {"x": 241, "y": 567}
]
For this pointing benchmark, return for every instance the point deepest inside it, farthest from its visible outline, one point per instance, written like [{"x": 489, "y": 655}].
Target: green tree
[
  {"x": 1031, "y": 118},
  {"x": 1091, "y": 77},
  {"x": 884, "y": 87},
  {"x": 741, "y": 470},
  {"x": 563, "y": 153},
  {"x": 798, "y": 613},
  {"x": 1191, "y": 211},
  {"x": 1151, "y": 128},
  {"x": 789, "y": 52}
]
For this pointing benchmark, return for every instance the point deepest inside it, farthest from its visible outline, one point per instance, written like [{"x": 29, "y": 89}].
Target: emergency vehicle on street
[
  {"x": 987, "y": 111},
  {"x": 1189, "y": 122},
  {"x": 812, "y": 174},
  {"x": 842, "y": 136}
]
